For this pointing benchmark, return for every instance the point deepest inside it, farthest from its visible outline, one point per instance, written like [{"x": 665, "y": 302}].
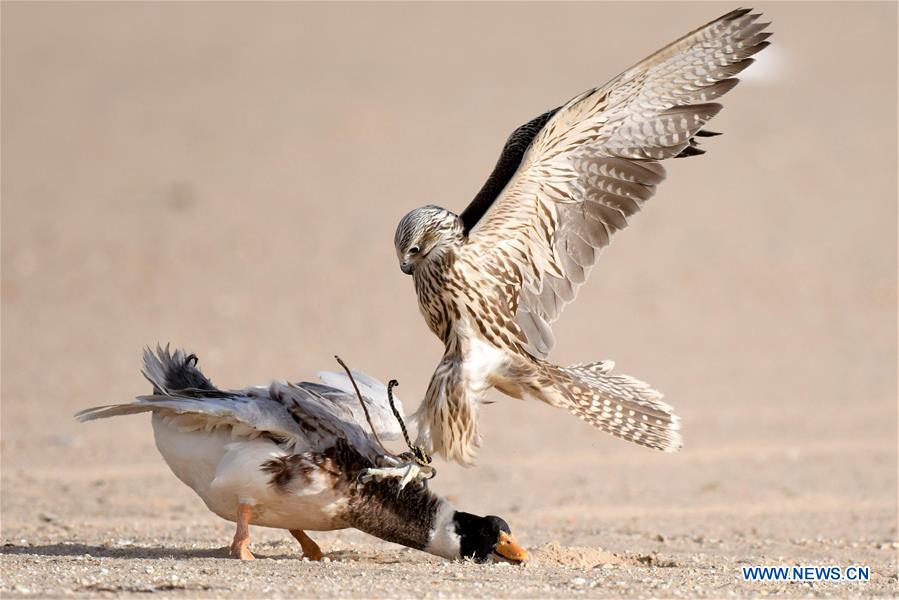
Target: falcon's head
[{"x": 425, "y": 233}]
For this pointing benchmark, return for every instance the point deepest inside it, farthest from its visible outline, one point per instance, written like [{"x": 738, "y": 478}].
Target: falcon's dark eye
[{"x": 414, "y": 250}]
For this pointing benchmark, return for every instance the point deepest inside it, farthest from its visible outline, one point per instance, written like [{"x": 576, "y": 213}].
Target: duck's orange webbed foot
[
  {"x": 310, "y": 548},
  {"x": 240, "y": 546}
]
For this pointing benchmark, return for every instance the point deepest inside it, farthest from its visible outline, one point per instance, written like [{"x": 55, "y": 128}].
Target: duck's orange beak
[{"x": 507, "y": 549}]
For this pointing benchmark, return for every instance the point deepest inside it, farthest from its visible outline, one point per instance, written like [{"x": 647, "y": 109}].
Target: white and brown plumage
[
  {"x": 492, "y": 280},
  {"x": 294, "y": 456}
]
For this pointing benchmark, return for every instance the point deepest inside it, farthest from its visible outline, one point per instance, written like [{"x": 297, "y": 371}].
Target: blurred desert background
[{"x": 227, "y": 177}]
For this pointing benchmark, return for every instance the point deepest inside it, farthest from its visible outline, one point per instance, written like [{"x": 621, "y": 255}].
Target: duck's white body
[
  {"x": 227, "y": 445},
  {"x": 225, "y": 470}
]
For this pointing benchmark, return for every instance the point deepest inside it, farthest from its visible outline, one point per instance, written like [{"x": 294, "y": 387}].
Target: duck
[{"x": 293, "y": 456}]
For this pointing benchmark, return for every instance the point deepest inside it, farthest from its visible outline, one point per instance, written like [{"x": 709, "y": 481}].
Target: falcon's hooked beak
[
  {"x": 508, "y": 550},
  {"x": 407, "y": 267}
]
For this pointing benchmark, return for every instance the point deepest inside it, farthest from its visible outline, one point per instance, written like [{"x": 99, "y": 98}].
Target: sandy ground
[{"x": 227, "y": 177}]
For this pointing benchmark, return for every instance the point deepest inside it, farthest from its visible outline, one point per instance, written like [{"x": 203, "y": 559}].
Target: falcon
[{"x": 491, "y": 280}]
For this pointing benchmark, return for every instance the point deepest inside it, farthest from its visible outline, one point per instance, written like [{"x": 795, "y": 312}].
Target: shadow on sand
[{"x": 155, "y": 552}]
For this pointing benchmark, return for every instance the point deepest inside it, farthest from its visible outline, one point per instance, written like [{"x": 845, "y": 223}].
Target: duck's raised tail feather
[{"x": 174, "y": 371}]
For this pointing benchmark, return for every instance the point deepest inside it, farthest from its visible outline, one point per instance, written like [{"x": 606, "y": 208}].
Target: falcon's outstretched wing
[{"x": 570, "y": 178}]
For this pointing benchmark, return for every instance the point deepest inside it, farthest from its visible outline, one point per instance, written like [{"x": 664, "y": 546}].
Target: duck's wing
[
  {"x": 331, "y": 410},
  {"x": 249, "y": 414},
  {"x": 326, "y": 414},
  {"x": 181, "y": 391},
  {"x": 375, "y": 393},
  {"x": 304, "y": 415},
  {"x": 569, "y": 179}
]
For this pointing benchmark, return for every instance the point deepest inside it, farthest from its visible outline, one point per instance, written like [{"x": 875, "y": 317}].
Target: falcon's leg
[
  {"x": 405, "y": 471},
  {"x": 310, "y": 548},
  {"x": 242, "y": 536}
]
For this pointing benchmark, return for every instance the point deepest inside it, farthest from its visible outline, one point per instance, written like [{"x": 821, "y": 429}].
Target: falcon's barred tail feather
[{"x": 618, "y": 404}]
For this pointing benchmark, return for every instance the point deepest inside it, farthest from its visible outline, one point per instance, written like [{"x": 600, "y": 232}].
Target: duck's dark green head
[
  {"x": 487, "y": 538},
  {"x": 460, "y": 535}
]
